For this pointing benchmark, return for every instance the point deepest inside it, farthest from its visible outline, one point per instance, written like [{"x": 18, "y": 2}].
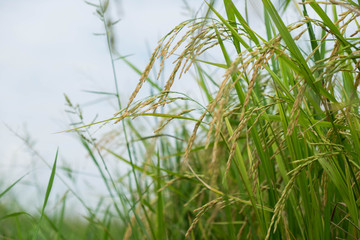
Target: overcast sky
[{"x": 48, "y": 48}]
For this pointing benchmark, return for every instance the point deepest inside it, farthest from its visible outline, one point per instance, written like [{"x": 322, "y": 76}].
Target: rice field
[{"x": 270, "y": 151}]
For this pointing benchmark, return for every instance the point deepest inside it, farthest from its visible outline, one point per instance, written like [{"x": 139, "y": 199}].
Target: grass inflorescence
[{"x": 271, "y": 152}]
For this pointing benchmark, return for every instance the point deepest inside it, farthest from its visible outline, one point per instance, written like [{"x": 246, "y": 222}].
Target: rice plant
[
  {"x": 271, "y": 151},
  {"x": 274, "y": 153}
]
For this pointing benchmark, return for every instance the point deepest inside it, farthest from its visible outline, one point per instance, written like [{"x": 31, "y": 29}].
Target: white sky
[{"x": 47, "y": 49}]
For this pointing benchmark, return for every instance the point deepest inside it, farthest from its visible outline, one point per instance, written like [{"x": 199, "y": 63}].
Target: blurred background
[{"x": 52, "y": 47}]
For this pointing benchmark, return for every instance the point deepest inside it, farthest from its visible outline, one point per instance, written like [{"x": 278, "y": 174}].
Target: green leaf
[{"x": 47, "y": 194}]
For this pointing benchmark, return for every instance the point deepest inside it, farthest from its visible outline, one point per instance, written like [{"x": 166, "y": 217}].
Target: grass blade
[{"x": 47, "y": 194}]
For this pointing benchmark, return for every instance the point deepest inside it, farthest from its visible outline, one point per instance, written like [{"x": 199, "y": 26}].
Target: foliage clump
[{"x": 272, "y": 151}]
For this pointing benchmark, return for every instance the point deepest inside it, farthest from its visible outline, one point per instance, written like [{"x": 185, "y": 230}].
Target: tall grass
[
  {"x": 273, "y": 150},
  {"x": 280, "y": 156}
]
